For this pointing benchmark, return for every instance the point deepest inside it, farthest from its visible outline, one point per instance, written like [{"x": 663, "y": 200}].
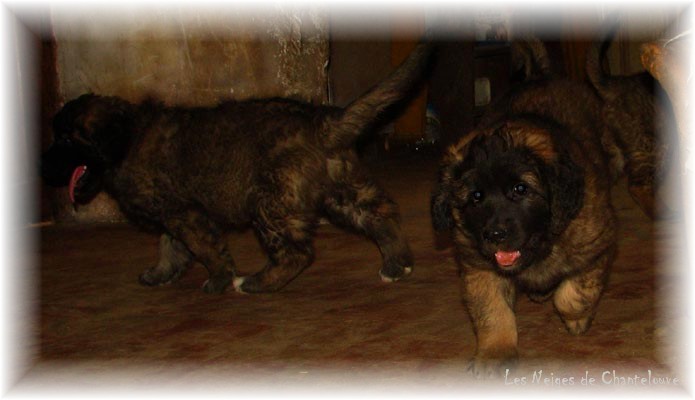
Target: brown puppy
[
  {"x": 526, "y": 196},
  {"x": 194, "y": 174},
  {"x": 639, "y": 118}
]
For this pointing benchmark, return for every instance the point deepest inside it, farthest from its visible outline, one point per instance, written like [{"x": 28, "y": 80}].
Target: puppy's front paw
[
  {"x": 492, "y": 367},
  {"x": 238, "y": 284},
  {"x": 216, "y": 285},
  {"x": 155, "y": 277},
  {"x": 251, "y": 284},
  {"x": 577, "y": 326}
]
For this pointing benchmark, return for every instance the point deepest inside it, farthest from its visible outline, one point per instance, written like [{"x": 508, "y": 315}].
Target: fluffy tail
[
  {"x": 363, "y": 112},
  {"x": 530, "y": 57},
  {"x": 597, "y": 75}
]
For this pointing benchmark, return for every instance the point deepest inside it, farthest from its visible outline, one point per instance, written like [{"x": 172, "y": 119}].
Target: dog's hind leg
[
  {"x": 174, "y": 259},
  {"x": 361, "y": 205},
  {"x": 645, "y": 173},
  {"x": 207, "y": 245},
  {"x": 287, "y": 238}
]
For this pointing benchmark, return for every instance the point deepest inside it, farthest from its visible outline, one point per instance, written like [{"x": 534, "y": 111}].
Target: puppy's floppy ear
[
  {"x": 440, "y": 207},
  {"x": 566, "y": 184},
  {"x": 449, "y": 173},
  {"x": 112, "y": 121},
  {"x": 68, "y": 117}
]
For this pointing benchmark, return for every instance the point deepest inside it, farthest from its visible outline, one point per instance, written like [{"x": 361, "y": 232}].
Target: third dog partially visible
[{"x": 638, "y": 118}]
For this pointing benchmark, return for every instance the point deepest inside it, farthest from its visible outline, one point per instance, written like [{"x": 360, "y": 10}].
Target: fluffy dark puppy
[
  {"x": 639, "y": 119},
  {"x": 526, "y": 196},
  {"x": 195, "y": 174}
]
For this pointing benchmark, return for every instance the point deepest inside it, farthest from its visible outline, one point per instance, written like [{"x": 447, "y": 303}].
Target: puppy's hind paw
[
  {"x": 390, "y": 276},
  {"x": 216, "y": 286}
]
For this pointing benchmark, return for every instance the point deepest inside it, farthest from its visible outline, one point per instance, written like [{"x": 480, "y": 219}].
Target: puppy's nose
[{"x": 495, "y": 235}]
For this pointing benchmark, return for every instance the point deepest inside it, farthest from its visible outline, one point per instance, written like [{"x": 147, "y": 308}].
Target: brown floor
[{"x": 337, "y": 323}]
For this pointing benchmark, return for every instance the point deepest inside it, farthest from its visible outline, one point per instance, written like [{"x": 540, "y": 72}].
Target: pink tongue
[
  {"x": 76, "y": 175},
  {"x": 507, "y": 258}
]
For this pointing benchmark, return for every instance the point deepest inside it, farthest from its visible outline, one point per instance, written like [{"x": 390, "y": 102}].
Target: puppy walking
[
  {"x": 526, "y": 196},
  {"x": 194, "y": 174}
]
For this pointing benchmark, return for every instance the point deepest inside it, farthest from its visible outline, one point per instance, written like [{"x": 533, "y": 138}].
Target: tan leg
[
  {"x": 490, "y": 300},
  {"x": 207, "y": 244},
  {"x": 576, "y": 298}
]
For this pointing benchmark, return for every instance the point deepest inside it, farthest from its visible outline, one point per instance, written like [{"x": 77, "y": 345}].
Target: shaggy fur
[
  {"x": 195, "y": 174},
  {"x": 639, "y": 117},
  {"x": 526, "y": 197}
]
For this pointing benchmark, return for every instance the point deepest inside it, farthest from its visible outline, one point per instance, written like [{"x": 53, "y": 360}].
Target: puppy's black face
[
  {"x": 506, "y": 199},
  {"x": 504, "y": 207},
  {"x": 91, "y": 135}
]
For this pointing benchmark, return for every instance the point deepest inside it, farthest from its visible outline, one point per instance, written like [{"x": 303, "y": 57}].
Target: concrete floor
[{"x": 337, "y": 325}]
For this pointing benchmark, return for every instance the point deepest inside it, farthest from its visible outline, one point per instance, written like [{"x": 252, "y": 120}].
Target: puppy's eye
[
  {"x": 477, "y": 196},
  {"x": 520, "y": 189}
]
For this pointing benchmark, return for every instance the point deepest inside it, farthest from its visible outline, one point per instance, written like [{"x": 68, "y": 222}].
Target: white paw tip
[
  {"x": 237, "y": 283},
  {"x": 387, "y": 279}
]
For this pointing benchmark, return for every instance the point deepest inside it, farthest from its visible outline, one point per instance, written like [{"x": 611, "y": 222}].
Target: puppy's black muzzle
[
  {"x": 57, "y": 164},
  {"x": 60, "y": 161}
]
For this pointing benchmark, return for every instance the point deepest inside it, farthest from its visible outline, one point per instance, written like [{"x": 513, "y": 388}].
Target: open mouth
[
  {"x": 76, "y": 181},
  {"x": 507, "y": 259}
]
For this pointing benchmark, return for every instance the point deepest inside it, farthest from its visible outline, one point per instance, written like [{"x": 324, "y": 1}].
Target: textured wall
[
  {"x": 188, "y": 57},
  {"x": 194, "y": 57}
]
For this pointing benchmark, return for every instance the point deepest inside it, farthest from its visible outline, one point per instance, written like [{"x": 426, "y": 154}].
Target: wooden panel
[
  {"x": 574, "y": 54},
  {"x": 407, "y": 30},
  {"x": 357, "y": 65},
  {"x": 492, "y": 62}
]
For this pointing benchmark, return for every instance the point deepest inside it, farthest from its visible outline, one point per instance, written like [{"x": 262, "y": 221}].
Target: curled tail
[
  {"x": 530, "y": 58},
  {"x": 595, "y": 56},
  {"x": 363, "y": 112}
]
